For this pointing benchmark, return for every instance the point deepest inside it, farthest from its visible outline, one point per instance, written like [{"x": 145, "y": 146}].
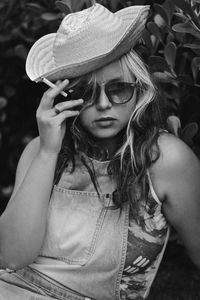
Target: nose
[{"x": 102, "y": 102}]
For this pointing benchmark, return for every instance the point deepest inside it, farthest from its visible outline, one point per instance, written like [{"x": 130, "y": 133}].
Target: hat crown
[
  {"x": 85, "y": 41},
  {"x": 82, "y": 28},
  {"x": 75, "y": 23}
]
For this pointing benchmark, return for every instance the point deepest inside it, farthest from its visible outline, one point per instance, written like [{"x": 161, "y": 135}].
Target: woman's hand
[{"x": 51, "y": 119}]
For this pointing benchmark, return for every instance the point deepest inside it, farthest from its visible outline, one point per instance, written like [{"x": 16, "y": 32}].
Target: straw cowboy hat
[{"x": 85, "y": 41}]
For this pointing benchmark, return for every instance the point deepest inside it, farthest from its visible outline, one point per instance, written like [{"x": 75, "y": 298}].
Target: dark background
[{"x": 171, "y": 47}]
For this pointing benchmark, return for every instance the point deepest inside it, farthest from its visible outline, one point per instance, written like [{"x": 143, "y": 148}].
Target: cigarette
[{"x": 52, "y": 85}]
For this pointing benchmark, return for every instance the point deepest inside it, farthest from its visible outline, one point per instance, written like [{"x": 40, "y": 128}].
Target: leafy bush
[{"x": 171, "y": 48}]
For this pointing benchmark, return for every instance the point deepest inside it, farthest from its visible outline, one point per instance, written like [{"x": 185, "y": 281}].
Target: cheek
[
  {"x": 127, "y": 112},
  {"x": 85, "y": 118},
  {"x": 124, "y": 118}
]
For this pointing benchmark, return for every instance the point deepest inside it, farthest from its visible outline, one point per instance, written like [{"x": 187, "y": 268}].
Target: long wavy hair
[{"x": 138, "y": 142}]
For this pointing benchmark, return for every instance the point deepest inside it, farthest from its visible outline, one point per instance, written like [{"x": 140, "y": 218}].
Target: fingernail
[{"x": 65, "y": 81}]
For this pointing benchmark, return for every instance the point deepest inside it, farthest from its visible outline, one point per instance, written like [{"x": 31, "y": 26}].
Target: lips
[{"x": 105, "y": 119}]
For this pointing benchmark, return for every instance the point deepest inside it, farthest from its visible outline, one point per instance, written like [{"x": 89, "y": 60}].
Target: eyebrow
[{"x": 116, "y": 79}]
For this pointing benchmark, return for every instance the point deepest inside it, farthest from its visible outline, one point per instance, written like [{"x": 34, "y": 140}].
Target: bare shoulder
[
  {"x": 175, "y": 154},
  {"x": 177, "y": 164},
  {"x": 27, "y": 156},
  {"x": 176, "y": 177}
]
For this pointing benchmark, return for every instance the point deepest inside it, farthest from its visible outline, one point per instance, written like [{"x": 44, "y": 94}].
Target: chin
[{"x": 104, "y": 134}]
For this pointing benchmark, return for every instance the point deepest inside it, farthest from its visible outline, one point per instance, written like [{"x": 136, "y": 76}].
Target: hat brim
[{"x": 42, "y": 50}]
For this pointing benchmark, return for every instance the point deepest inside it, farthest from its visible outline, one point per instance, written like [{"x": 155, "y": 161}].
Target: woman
[{"x": 96, "y": 191}]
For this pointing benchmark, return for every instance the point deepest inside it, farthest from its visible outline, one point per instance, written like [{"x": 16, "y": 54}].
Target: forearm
[{"x": 22, "y": 226}]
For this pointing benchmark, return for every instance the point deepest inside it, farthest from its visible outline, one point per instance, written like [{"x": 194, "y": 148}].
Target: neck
[{"x": 106, "y": 147}]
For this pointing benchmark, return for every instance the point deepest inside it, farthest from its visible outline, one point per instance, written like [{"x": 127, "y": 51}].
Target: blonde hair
[
  {"x": 132, "y": 65},
  {"x": 134, "y": 157}
]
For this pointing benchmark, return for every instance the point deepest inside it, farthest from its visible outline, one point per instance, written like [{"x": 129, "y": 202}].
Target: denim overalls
[{"x": 86, "y": 240}]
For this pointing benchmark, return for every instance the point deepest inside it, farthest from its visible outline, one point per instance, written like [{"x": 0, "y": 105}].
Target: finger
[
  {"x": 58, "y": 88},
  {"x": 68, "y": 104},
  {"x": 48, "y": 97},
  {"x": 65, "y": 115}
]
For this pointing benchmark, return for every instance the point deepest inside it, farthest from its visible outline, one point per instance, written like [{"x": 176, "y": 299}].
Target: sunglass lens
[
  {"x": 120, "y": 92},
  {"x": 82, "y": 92}
]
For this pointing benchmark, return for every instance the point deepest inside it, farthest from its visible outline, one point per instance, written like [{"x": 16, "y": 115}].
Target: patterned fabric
[{"x": 145, "y": 243}]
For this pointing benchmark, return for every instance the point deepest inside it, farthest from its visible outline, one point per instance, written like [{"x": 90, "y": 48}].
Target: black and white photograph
[{"x": 99, "y": 150}]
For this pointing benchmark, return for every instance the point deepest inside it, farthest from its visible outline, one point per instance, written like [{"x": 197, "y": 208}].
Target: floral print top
[{"x": 146, "y": 244}]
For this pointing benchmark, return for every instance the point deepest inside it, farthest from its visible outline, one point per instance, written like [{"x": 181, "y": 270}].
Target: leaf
[
  {"x": 158, "y": 63},
  {"x": 78, "y": 5},
  {"x": 181, "y": 16},
  {"x": 170, "y": 54},
  {"x": 159, "y": 21},
  {"x": 155, "y": 30},
  {"x": 26, "y": 139},
  {"x": 192, "y": 46},
  {"x": 169, "y": 9},
  {"x": 21, "y": 51},
  {"x": 3, "y": 117},
  {"x": 174, "y": 124},
  {"x": 160, "y": 10},
  {"x": 182, "y": 27},
  {"x": 3, "y": 102},
  {"x": 5, "y": 38},
  {"x": 34, "y": 6},
  {"x": 6, "y": 191},
  {"x": 186, "y": 28},
  {"x": 49, "y": 16},
  {"x": 11, "y": 5},
  {"x": 114, "y": 4},
  {"x": 172, "y": 92},
  {"x": 195, "y": 65},
  {"x": 9, "y": 91},
  {"x": 138, "y": 2},
  {"x": 164, "y": 77},
  {"x": 187, "y": 10},
  {"x": 170, "y": 37},
  {"x": 2, "y": 5},
  {"x": 147, "y": 40},
  {"x": 188, "y": 132},
  {"x": 64, "y": 7},
  {"x": 186, "y": 79}
]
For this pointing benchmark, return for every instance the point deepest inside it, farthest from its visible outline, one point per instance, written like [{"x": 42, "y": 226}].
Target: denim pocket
[
  {"x": 74, "y": 225},
  {"x": 13, "y": 282}
]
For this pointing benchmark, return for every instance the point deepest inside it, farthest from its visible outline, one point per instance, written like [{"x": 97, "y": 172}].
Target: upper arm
[
  {"x": 178, "y": 169},
  {"x": 29, "y": 153}
]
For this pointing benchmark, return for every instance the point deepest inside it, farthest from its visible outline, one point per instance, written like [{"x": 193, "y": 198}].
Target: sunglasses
[{"x": 117, "y": 92}]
